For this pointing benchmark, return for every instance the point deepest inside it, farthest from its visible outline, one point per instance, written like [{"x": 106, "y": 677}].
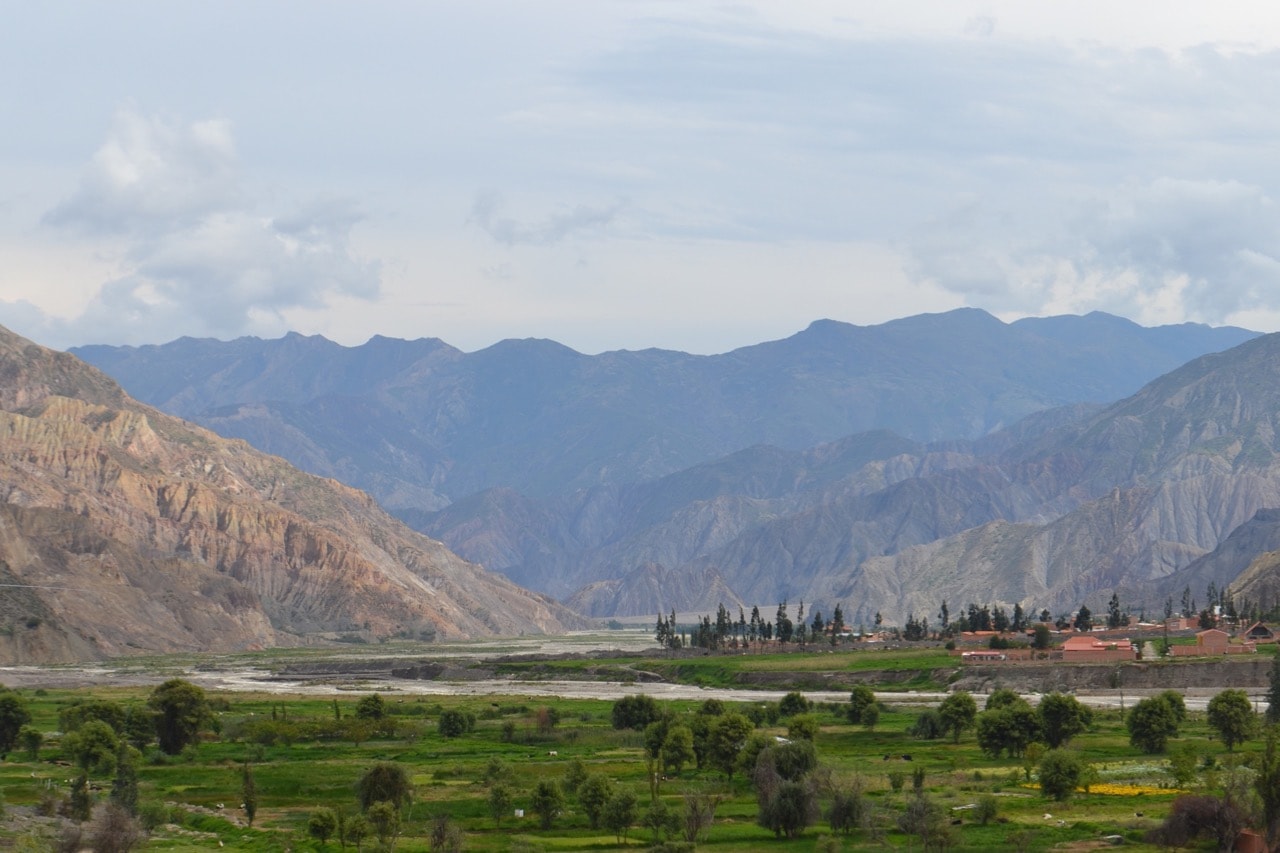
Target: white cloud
[
  {"x": 195, "y": 256},
  {"x": 153, "y": 174}
]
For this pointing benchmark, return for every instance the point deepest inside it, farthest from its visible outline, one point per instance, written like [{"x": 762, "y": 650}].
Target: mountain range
[
  {"x": 124, "y": 529},
  {"x": 885, "y": 468},
  {"x": 420, "y": 424}
]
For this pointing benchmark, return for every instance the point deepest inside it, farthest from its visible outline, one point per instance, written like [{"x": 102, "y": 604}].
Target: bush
[
  {"x": 115, "y": 830},
  {"x": 634, "y": 712},
  {"x": 1060, "y": 773},
  {"x": 794, "y": 703}
]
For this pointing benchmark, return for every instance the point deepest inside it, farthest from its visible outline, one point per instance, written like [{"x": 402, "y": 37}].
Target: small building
[
  {"x": 1213, "y": 641},
  {"x": 1258, "y": 633},
  {"x": 1091, "y": 649},
  {"x": 983, "y": 656}
]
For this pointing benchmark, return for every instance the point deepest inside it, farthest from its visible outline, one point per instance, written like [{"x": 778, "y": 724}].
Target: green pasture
[{"x": 296, "y": 772}]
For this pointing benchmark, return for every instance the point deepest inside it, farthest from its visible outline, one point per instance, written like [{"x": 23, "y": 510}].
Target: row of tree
[{"x": 725, "y": 632}]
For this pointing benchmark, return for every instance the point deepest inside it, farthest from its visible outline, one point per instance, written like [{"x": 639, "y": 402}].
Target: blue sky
[{"x": 696, "y": 176}]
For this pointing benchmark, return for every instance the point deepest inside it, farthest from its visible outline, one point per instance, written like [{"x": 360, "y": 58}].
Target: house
[
  {"x": 1213, "y": 641},
  {"x": 1086, "y": 648},
  {"x": 983, "y": 656},
  {"x": 1259, "y": 633}
]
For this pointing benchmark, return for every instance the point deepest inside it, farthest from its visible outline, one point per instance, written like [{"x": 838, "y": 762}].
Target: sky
[{"x": 623, "y": 174}]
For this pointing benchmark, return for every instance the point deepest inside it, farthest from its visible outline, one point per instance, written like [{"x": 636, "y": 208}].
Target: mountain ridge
[
  {"x": 131, "y": 530},
  {"x": 541, "y": 418}
]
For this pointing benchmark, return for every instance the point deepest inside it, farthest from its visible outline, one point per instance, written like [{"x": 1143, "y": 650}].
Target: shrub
[{"x": 1060, "y": 773}]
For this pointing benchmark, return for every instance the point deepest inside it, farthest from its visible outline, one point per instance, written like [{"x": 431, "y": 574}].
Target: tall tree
[
  {"x": 13, "y": 716},
  {"x": 837, "y": 624},
  {"x": 181, "y": 712},
  {"x": 1152, "y": 722},
  {"x": 958, "y": 712},
  {"x": 1273, "y": 692},
  {"x": 1062, "y": 717},
  {"x": 1231, "y": 715},
  {"x": 1115, "y": 619},
  {"x": 249, "y": 793}
]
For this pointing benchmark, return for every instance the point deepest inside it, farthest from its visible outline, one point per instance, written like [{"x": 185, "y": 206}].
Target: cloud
[
  {"x": 486, "y": 213},
  {"x": 153, "y": 174},
  {"x": 196, "y": 257},
  {"x": 1160, "y": 251}
]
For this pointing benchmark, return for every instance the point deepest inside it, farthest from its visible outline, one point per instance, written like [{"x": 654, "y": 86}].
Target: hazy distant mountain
[
  {"x": 420, "y": 424},
  {"x": 124, "y": 529},
  {"x": 1064, "y": 509}
]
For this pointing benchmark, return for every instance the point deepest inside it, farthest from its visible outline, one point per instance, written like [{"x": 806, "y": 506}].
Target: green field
[{"x": 301, "y": 763}]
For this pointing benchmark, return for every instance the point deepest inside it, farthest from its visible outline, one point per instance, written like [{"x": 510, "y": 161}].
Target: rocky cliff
[{"x": 123, "y": 529}]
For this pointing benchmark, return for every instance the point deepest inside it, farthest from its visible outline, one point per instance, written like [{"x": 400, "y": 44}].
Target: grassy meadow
[{"x": 300, "y": 765}]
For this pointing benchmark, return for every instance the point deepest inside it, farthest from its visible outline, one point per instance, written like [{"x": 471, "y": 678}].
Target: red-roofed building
[{"x": 1086, "y": 648}]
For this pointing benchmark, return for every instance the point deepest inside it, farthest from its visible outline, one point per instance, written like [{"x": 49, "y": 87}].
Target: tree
[
  {"x": 115, "y": 830},
  {"x": 31, "y": 738},
  {"x": 788, "y": 808},
  {"x": 81, "y": 804},
  {"x": 446, "y": 836},
  {"x": 547, "y": 803},
  {"x": 928, "y": 726},
  {"x": 661, "y": 820},
  {"x": 988, "y": 809},
  {"x": 1115, "y": 619},
  {"x": 794, "y": 703},
  {"x": 677, "y": 749},
  {"x": 1041, "y": 637},
  {"x": 1062, "y": 717},
  {"x": 13, "y": 716},
  {"x": 958, "y": 712},
  {"x": 453, "y": 723},
  {"x": 181, "y": 712},
  {"x": 1152, "y": 722},
  {"x": 926, "y": 820},
  {"x": 699, "y": 812},
  {"x": 124, "y": 788},
  {"x": 1267, "y": 786},
  {"x": 727, "y": 736},
  {"x": 848, "y": 807},
  {"x": 371, "y": 707},
  {"x": 355, "y": 830},
  {"x": 1083, "y": 620},
  {"x": 1060, "y": 773},
  {"x": 1003, "y": 698},
  {"x": 860, "y": 699},
  {"x": 1231, "y": 716},
  {"x": 635, "y": 712},
  {"x": 73, "y": 716},
  {"x": 322, "y": 824},
  {"x": 384, "y": 782},
  {"x": 500, "y": 800},
  {"x": 592, "y": 796},
  {"x": 620, "y": 814},
  {"x": 93, "y": 747},
  {"x": 249, "y": 793},
  {"x": 1008, "y": 729},
  {"x": 1273, "y": 692},
  {"x": 384, "y": 817},
  {"x": 805, "y": 727}
]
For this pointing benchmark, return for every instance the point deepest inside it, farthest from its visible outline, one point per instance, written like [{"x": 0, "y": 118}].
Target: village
[{"x": 1134, "y": 641}]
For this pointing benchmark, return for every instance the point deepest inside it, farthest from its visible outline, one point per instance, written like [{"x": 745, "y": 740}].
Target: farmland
[{"x": 306, "y": 752}]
